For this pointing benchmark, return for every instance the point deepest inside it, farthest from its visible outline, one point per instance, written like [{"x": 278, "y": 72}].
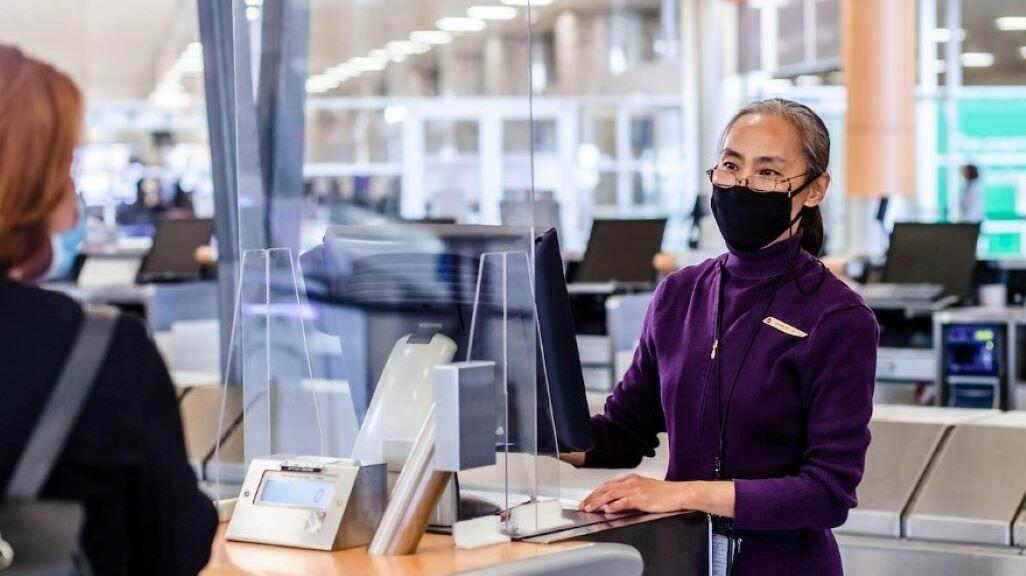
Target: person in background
[
  {"x": 759, "y": 365},
  {"x": 181, "y": 201},
  {"x": 125, "y": 459},
  {"x": 147, "y": 208},
  {"x": 972, "y": 197}
]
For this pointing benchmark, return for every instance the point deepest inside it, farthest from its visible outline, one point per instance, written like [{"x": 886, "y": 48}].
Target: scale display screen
[{"x": 287, "y": 490}]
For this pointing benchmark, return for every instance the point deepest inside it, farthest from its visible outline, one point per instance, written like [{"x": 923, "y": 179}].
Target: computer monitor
[
  {"x": 173, "y": 255},
  {"x": 622, "y": 251},
  {"x": 402, "y": 277},
  {"x": 943, "y": 254}
]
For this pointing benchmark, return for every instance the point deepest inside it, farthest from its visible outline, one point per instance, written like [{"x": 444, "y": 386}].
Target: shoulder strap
[{"x": 62, "y": 408}]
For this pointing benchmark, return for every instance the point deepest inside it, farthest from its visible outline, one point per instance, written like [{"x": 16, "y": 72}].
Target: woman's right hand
[{"x": 575, "y": 459}]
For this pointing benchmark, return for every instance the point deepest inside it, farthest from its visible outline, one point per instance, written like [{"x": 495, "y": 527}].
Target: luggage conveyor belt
[
  {"x": 975, "y": 489},
  {"x": 905, "y": 442},
  {"x": 944, "y": 493},
  {"x": 1019, "y": 529}
]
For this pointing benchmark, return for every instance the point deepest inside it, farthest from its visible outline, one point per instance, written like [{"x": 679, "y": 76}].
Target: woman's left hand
[{"x": 633, "y": 492}]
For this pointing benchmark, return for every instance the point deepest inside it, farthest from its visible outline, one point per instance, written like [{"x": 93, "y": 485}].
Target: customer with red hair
[{"x": 125, "y": 459}]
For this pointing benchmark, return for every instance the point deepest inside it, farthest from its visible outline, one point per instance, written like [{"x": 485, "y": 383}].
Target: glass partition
[{"x": 391, "y": 214}]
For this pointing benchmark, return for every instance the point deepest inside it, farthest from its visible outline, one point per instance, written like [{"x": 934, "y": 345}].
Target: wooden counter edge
[{"x": 436, "y": 555}]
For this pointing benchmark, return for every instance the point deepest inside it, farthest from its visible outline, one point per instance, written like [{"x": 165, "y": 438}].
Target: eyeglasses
[{"x": 728, "y": 179}]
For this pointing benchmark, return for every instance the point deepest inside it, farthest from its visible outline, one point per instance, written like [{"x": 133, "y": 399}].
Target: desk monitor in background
[
  {"x": 173, "y": 255},
  {"x": 942, "y": 254},
  {"x": 621, "y": 251},
  {"x": 106, "y": 271},
  {"x": 371, "y": 285}
]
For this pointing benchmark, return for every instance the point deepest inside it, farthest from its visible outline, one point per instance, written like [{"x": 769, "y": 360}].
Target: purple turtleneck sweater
[{"x": 796, "y": 431}]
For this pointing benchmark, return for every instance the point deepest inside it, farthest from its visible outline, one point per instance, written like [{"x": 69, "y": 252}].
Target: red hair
[{"x": 41, "y": 114}]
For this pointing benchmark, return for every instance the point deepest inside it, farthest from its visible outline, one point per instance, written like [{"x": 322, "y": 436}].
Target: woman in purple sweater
[{"x": 759, "y": 365}]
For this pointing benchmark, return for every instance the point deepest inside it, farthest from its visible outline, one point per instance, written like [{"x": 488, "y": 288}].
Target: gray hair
[{"x": 812, "y": 132}]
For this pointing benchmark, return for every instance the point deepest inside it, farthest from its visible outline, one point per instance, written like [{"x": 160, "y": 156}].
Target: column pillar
[{"x": 879, "y": 50}]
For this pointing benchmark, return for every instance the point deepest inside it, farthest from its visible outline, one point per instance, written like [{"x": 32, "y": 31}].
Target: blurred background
[{"x": 623, "y": 125}]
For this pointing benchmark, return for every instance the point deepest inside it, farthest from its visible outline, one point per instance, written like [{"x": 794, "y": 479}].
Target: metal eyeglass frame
[{"x": 739, "y": 180}]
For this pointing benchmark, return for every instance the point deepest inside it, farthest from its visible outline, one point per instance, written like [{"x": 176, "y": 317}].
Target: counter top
[{"x": 436, "y": 555}]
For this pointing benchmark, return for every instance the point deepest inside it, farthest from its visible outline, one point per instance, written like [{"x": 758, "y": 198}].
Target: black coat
[{"x": 125, "y": 459}]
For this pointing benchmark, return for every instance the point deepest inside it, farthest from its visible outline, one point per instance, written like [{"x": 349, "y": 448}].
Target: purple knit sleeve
[
  {"x": 838, "y": 384},
  {"x": 633, "y": 417}
]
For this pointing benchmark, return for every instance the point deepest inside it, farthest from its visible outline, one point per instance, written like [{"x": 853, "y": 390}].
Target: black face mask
[{"x": 751, "y": 220}]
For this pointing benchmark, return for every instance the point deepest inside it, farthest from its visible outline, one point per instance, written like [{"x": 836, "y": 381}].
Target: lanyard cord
[{"x": 723, "y": 411}]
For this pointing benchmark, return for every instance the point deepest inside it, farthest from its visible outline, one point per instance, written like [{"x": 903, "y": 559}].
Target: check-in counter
[
  {"x": 975, "y": 488},
  {"x": 1019, "y": 529},
  {"x": 905, "y": 442},
  {"x": 941, "y": 490}
]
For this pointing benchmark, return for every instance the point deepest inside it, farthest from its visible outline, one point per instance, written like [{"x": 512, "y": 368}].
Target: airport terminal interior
[{"x": 397, "y": 254}]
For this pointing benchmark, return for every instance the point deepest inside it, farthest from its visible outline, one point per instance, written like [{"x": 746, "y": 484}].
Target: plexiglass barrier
[{"x": 355, "y": 283}]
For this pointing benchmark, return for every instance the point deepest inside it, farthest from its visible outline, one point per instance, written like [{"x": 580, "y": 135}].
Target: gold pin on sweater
[{"x": 784, "y": 327}]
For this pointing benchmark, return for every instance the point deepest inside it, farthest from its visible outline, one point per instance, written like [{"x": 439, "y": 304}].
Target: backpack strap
[{"x": 66, "y": 400}]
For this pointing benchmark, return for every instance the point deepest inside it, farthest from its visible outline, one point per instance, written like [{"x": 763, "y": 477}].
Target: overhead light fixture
[
  {"x": 526, "y": 3},
  {"x": 460, "y": 24},
  {"x": 406, "y": 48},
  {"x": 322, "y": 81},
  {"x": 342, "y": 72},
  {"x": 1011, "y": 23},
  {"x": 253, "y": 13},
  {"x": 431, "y": 37},
  {"x": 492, "y": 12},
  {"x": 189, "y": 65},
  {"x": 368, "y": 64},
  {"x": 943, "y": 35},
  {"x": 977, "y": 59}
]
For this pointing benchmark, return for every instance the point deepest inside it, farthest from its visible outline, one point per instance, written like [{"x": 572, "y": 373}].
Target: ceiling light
[
  {"x": 189, "y": 65},
  {"x": 458, "y": 24},
  {"x": 525, "y": 3},
  {"x": 342, "y": 72},
  {"x": 492, "y": 12},
  {"x": 943, "y": 35},
  {"x": 366, "y": 64},
  {"x": 253, "y": 13},
  {"x": 1017, "y": 23},
  {"x": 323, "y": 81},
  {"x": 977, "y": 59},
  {"x": 405, "y": 48},
  {"x": 431, "y": 37}
]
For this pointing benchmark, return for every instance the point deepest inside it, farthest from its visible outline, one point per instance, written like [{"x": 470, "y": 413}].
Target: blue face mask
[{"x": 65, "y": 248}]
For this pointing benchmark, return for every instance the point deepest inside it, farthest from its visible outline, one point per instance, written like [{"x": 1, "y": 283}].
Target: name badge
[{"x": 784, "y": 327}]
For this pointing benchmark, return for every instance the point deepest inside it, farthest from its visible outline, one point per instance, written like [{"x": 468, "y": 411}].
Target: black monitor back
[
  {"x": 402, "y": 277},
  {"x": 622, "y": 251},
  {"x": 173, "y": 255},
  {"x": 943, "y": 254}
]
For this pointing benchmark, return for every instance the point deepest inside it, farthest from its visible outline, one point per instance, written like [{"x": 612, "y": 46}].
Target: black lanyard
[{"x": 723, "y": 410}]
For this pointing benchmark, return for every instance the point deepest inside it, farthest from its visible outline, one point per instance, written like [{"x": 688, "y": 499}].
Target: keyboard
[{"x": 912, "y": 293}]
